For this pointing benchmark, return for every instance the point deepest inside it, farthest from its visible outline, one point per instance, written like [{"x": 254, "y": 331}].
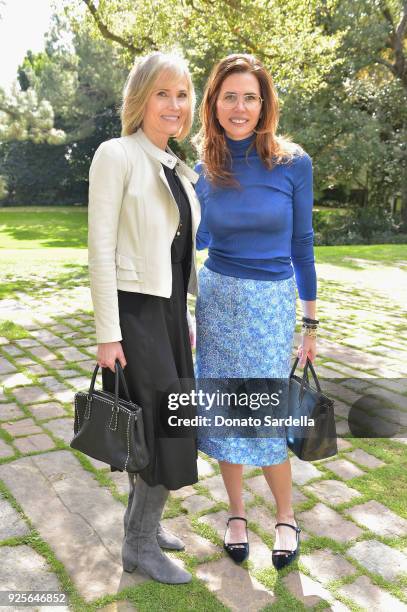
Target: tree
[
  {"x": 24, "y": 117},
  {"x": 284, "y": 34},
  {"x": 80, "y": 77},
  {"x": 82, "y": 80},
  {"x": 365, "y": 109}
]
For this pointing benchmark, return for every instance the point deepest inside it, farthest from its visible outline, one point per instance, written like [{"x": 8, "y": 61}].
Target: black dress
[{"x": 158, "y": 353}]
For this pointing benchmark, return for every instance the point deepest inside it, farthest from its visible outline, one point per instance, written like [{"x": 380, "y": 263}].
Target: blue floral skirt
[{"x": 245, "y": 329}]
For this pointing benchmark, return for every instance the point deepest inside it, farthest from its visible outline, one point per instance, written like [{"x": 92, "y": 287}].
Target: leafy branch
[{"x": 109, "y": 35}]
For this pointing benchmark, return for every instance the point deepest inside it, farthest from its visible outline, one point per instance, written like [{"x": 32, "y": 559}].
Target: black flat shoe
[
  {"x": 285, "y": 557},
  {"x": 238, "y": 551}
]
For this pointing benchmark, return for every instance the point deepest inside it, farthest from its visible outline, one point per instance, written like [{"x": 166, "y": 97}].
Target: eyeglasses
[{"x": 250, "y": 101}]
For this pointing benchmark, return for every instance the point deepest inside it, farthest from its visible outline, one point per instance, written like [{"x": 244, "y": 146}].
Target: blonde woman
[
  {"x": 143, "y": 217},
  {"x": 255, "y": 190}
]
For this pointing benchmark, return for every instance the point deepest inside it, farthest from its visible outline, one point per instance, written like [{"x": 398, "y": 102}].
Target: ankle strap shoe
[
  {"x": 282, "y": 557},
  {"x": 238, "y": 551}
]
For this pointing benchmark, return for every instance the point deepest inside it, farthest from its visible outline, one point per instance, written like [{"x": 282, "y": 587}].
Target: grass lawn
[
  {"x": 42, "y": 246},
  {"x": 343, "y": 255}
]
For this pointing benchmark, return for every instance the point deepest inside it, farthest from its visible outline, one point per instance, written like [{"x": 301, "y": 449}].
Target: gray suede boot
[
  {"x": 165, "y": 538},
  {"x": 140, "y": 546}
]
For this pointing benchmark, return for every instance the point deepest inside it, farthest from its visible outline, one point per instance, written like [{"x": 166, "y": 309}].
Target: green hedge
[{"x": 336, "y": 226}]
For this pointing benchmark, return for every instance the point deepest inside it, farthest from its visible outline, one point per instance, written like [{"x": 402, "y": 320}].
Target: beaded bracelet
[{"x": 310, "y": 321}]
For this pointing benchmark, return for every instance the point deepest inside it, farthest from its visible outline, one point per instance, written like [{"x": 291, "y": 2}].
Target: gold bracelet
[{"x": 309, "y": 331}]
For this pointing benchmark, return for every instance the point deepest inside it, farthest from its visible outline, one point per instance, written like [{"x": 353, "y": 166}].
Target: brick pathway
[{"x": 61, "y": 517}]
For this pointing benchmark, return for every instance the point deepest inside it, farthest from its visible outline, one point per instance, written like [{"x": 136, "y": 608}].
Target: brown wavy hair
[{"x": 210, "y": 141}]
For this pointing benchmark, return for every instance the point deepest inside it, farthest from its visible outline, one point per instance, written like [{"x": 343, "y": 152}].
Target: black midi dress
[{"x": 157, "y": 348}]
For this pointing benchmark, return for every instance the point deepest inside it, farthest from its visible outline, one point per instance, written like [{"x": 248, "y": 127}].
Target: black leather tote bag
[
  {"x": 310, "y": 443},
  {"x": 109, "y": 428}
]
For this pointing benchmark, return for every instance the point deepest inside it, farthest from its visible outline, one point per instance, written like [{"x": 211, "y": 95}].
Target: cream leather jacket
[{"x": 133, "y": 218}]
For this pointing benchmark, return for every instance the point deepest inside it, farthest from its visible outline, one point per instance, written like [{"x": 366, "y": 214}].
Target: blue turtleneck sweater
[{"x": 262, "y": 230}]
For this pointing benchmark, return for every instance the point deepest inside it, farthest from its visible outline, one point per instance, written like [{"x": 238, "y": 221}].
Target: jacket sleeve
[
  {"x": 107, "y": 178},
  {"x": 302, "y": 243}
]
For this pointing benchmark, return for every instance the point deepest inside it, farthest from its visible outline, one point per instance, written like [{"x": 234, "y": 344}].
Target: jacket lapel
[
  {"x": 164, "y": 180},
  {"x": 193, "y": 201}
]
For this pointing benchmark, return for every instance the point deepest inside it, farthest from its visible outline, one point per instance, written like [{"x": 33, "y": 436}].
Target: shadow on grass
[
  {"x": 35, "y": 284},
  {"x": 50, "y": 228}
]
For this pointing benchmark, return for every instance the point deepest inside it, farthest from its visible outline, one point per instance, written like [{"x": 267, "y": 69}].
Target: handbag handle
[
  {"x": 305, "y": 374},
  {"x": 118, "y": 372}
]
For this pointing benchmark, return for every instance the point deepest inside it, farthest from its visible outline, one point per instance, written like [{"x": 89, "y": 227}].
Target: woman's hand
[
  {"x": 307, "y": 348},
  {"x": 192, "y": 328},
  {"x": 107, "y": 354}
]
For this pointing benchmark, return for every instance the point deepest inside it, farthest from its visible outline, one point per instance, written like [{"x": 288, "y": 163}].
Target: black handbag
[
  {"x": 109, "y": 428},
  {"x": 318, "y": 441}
]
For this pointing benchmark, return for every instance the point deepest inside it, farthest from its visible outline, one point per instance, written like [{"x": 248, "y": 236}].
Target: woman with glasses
[
  {"x": 255, "y": 190},
  {"x": 143, "y": 217}
]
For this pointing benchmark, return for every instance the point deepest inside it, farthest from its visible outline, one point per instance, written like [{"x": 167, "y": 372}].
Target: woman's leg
[
  {"x": 232, "y": 474},
  {"x": 279, "y": 480}
]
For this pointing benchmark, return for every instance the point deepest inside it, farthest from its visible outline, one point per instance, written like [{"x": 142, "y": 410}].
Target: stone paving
[{"x": 61, "y": 514}]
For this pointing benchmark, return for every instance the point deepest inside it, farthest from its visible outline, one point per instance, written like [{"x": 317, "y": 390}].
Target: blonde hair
[{"x": 140, "y": 84}]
